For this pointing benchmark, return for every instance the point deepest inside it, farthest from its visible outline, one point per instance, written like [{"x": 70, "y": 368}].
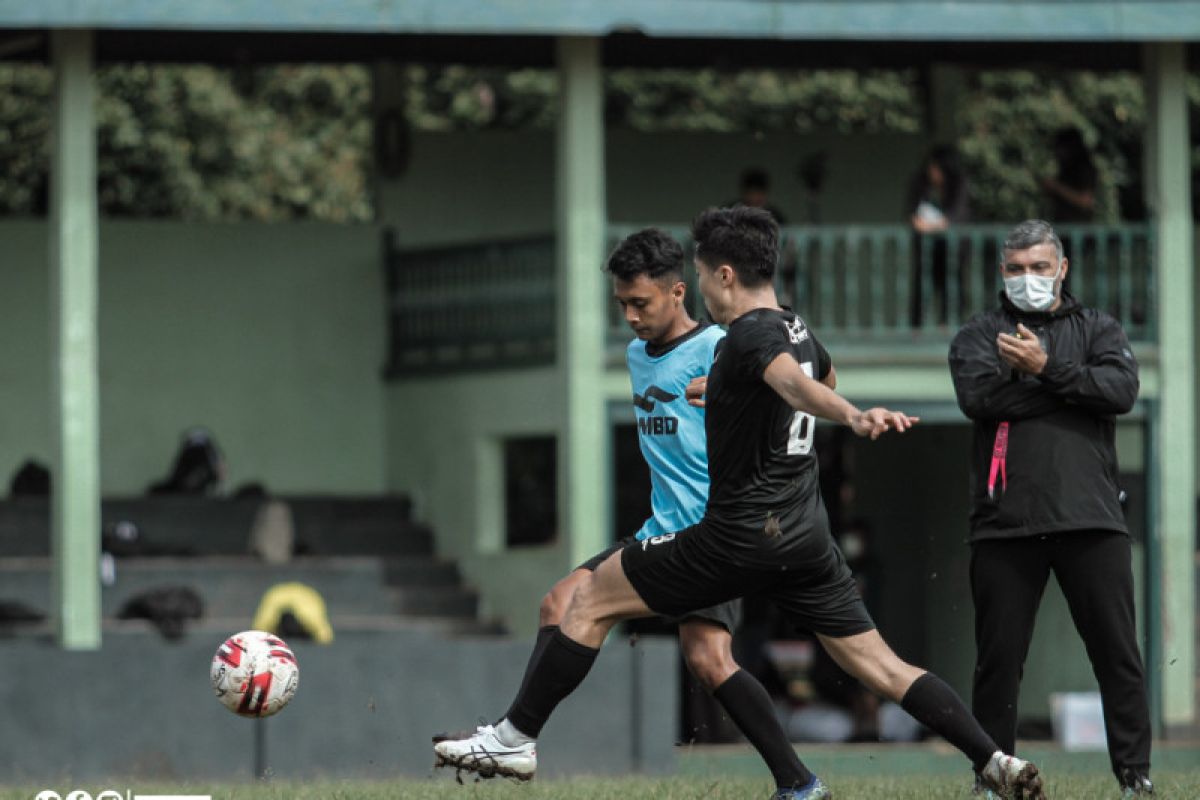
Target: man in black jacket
[{"x": 1043, "y": 378}]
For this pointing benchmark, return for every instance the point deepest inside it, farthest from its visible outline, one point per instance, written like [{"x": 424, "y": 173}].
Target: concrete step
[
  {"x": 221, "y": 526},
  {"x": 381, "y": 537},
  {"x": 233, "y": 586},
  {"x": 436, "y": 601},
  {"x": 419, "y": 571},
  {"x": 217, "y": 629}
]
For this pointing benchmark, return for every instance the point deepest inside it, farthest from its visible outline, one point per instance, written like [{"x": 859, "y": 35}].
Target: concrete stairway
[{"x": 374, "y": 566}]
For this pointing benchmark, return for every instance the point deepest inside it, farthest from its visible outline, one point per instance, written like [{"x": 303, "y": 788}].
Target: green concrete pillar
[
  {"x": 580, "y": 220},
  {"x": 1173, "y": 531},
  {"x": 75, "y": 503}
]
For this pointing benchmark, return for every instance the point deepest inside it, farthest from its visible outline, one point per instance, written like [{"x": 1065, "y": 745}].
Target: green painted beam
[
  {"x": 1174, "y": 531},
  {"x": 887, "y": 20},
  {"x": 581, "y": 324},
  {"x": 75, "y": 504},
  {"x": 886, "y": 378}
]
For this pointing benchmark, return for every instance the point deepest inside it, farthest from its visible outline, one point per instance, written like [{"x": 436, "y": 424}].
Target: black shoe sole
[
  {"x": 484, "y": 769},
  {"x": 1028, "y": 785}
]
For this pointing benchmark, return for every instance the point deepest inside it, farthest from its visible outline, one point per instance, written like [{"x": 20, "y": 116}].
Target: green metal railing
[
  {"x": 470, "y": 307},
  {"x": 878, "y": 287},
  {"x": 882, "y": 284}
]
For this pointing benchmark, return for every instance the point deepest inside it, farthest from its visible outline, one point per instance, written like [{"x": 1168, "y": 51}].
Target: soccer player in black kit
[{"x": 764, "y": 531}]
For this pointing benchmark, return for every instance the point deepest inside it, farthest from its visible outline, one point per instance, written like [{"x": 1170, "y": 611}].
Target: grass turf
[{"x": 1169, "y": 785}]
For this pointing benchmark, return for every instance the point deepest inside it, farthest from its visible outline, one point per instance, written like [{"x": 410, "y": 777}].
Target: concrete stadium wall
[
  {"x": 445, "y": 448},
  {"x": 142, "y": 708},
  {"x": 271, "y": 335}
]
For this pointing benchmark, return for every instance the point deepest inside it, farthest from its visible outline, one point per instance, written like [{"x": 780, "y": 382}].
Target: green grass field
[
  {"x": 928, "y": 771},
  {"x": 1170, "y": 786}
]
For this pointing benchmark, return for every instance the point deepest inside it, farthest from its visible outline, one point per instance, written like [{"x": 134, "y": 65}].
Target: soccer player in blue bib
[
  {"x": 764, "y": 531},
  {"x": 670, "y": 352}
]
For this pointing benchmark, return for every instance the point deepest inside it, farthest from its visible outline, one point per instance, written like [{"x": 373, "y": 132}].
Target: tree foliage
[
  {"x": 1007, "y": 125},
  {"x": 199, "y": 142},
  {"x": 835, "y": 101},
  {"x": 449, "y": 98},
  {"x": 291, "y": 142}
]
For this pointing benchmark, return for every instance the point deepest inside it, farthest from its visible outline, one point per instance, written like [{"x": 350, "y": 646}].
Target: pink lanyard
[{"x": 999, "y": 459}]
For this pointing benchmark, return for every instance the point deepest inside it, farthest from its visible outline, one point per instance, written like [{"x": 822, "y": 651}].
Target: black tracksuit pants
[{"x": 1094, "y": 570}]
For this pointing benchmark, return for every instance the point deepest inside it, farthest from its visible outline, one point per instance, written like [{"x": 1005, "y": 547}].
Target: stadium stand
[{"x": 374, "y": 566}]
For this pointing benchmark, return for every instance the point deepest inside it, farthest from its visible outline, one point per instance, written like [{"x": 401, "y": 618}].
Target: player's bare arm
[{"x": 811, "y": 396}]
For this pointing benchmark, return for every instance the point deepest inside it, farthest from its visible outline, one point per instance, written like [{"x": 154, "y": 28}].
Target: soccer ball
[{"x": 254, "y": 674}]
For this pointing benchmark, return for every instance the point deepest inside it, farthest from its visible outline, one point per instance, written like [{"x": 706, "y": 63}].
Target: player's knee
[
  {"x": 582, "y": 600},
  {"x": 553, "y": 606},
  {"x": 558, "y": 599},
  {"x": 710, "y": 660}
]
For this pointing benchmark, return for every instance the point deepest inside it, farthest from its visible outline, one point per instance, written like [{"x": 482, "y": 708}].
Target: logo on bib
[{"x": 797, "y": 333}]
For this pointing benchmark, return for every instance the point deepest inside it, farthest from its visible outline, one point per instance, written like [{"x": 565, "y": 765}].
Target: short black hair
[
  {"x": 651, "y": 252},
  {"x": 745, "y": 238}
]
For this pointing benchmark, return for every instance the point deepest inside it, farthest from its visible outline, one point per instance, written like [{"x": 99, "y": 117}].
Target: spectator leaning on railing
[{"x": 1044, "y": 378}]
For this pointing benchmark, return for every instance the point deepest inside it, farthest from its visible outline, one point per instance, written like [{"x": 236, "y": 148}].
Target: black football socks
[
  {"x": 749, "y": 706},
  {"x": 552, "y": 676},
  {"x": 935, "y": 705},
  {"x": 544, "y": 635}
]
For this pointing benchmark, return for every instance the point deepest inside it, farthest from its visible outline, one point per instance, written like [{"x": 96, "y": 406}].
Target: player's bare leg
[
  {"x": 509, "y": 748},
  {"x": 600, "y": 602},
  {"x": 550, "y": 613},
  {"x": 554, "y": 604},
  {"x": 708, "y": 651},
  {"x": 867, "y": 657}
]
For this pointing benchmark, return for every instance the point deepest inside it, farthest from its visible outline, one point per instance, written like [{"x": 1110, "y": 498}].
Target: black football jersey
[{"x": 764, "y": 496}]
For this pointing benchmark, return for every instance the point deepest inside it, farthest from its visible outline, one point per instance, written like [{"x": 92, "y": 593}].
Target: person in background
[
  {"x": 764, "y": 529},
  {"x": 754, "y": 191},
  {"x": 937, "y": 200},
  {"x": 1072, "y": 191},
  {"x": 1044, "y": 378}
]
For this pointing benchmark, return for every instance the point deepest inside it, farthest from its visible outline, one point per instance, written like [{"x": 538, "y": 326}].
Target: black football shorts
[
  {"x": 728, "y": 614},
  {"x": 676, "y": 573}
]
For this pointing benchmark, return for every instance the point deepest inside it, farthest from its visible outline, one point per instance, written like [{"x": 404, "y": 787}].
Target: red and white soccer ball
[{"x": 254, "y": 674}]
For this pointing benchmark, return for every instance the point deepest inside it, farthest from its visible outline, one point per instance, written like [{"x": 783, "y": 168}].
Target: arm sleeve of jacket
[
  {"x": 989, "y": 390},
  {"x": 1107, "y": 383}
]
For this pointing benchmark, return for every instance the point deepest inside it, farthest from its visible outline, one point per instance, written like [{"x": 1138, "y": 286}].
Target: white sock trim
[{"x": 510, "y": 736}]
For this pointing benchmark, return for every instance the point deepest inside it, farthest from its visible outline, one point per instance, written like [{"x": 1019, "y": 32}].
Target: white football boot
[
  {"x": 484, "y": 754},
  {"x": 1012, "y": 777}
]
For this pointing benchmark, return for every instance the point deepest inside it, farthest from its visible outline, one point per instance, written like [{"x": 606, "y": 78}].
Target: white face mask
[{"x": 1032, "y": 292}]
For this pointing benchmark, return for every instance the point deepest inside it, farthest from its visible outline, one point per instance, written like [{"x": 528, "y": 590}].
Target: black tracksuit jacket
[{"x": 1061, "y": 461}]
